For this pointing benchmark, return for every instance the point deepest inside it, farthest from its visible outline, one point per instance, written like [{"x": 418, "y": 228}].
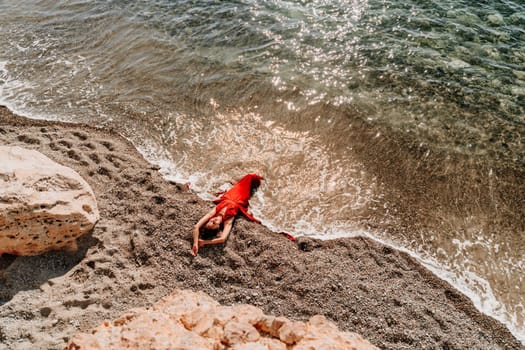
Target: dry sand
[{"x": 139, "y": 251}]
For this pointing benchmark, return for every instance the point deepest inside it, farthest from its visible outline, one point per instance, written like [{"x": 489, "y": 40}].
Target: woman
[{"x": 223, "y": 215}]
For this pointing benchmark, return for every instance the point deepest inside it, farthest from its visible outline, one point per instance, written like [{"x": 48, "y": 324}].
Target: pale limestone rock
[
  {"x": 496, "y": 19},
  {"x": 273, "y": 344},
  {"x": 152, "y": 330},
  {"x": 43, "y": 205},
  {"x": 292, "y": 332},
  {"x": 236, "y": 332},
  {"x": 271, "y": 325},
  {"x": 188, "y": 320},
  {"x": 248, "y": 313},
  {"x": 250, "y": 346},
  {"x": 321, "y": 334}
]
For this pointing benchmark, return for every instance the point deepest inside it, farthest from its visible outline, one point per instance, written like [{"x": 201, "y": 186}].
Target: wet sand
[{"x": 139, "y": 252}]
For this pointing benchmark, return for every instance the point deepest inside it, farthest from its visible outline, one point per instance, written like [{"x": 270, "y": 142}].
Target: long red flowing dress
[{"x": 236, "y": 198}]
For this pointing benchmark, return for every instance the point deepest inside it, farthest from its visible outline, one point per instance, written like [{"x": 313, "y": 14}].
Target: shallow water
[{"x": 402, "y": 120}]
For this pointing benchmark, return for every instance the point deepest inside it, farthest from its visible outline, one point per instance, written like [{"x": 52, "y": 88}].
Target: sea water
[{"x": 399, "y": 120}]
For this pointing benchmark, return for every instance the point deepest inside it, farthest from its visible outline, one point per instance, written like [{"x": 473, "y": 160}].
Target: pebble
[
  {"x": 458, "y": 64},
  {"x": 517, "y": 17},
  {"x": 496, "y": 19},
  {"x": 519, "y": 74},
  {"x": 518, "y": 90}
]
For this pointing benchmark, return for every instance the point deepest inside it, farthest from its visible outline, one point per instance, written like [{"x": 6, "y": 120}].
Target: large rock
[
  {"x": 43, "y": 205},
  {"x": 186, "y": 320}
]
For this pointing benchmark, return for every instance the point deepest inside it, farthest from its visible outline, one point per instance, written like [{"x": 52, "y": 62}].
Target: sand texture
[{"x": 139, "y": 252}]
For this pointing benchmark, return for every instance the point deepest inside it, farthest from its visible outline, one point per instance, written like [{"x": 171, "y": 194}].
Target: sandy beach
[{"x": 139, "y": 252}]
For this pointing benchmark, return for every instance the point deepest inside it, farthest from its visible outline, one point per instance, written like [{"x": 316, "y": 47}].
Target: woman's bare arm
[
  {"x": 196, "y": 228},
  {"x": 228, "y": 224}
]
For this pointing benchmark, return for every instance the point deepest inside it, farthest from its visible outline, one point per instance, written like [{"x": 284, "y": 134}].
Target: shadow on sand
[{"x": 19, "y": 273}]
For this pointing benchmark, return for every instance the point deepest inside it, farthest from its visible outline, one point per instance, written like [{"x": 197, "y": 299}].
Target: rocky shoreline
[{"x": 139, "y": 252}]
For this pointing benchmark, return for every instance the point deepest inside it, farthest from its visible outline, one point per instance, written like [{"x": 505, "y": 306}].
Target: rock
[
  {"x": 458, "y": 64},
  {"x": 250, "y": 346},
  {"x": 144, "y": 331},
  {"x": 519, "y": 74},
  {"x": 248, "y": 314},
  {"x": 271, "y": 325},
  {"x": 322, "y": 334},
  {"x": 43, "y": 205},
  {"x": 468, "y": 18},
  {"x": 273, "y": 344},
  {"x": 292, "y": 332},
  {"x": 236, "y": 332},
  {"x": 517, "y": 18},
  {"x": 496, "y": 19},
  {"x": 188, "y": 320},
  {"x": 518, "y": 90}
]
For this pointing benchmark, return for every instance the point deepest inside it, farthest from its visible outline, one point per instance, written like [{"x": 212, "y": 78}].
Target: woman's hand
[
  {"x": 196, "y": 246},
  {"x": 195, "y": 249}
]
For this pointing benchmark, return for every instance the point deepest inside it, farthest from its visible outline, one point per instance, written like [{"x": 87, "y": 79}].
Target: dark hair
[{"x": 206, "y": 233}]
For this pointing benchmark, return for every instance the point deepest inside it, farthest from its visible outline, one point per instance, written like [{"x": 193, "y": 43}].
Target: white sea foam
[{"x": 14, "y": 94}]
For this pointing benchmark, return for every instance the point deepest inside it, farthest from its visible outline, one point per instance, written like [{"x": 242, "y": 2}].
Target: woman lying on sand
[{"x": 223, "y": 215}]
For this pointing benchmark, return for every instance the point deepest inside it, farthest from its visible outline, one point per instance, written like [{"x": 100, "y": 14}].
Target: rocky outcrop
[
  {"x": 195, "y": 321},
  {"x": 43, "y": 205}
]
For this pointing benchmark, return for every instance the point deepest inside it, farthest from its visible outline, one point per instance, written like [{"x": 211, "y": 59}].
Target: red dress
[{"x": 236, "y": 198}]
